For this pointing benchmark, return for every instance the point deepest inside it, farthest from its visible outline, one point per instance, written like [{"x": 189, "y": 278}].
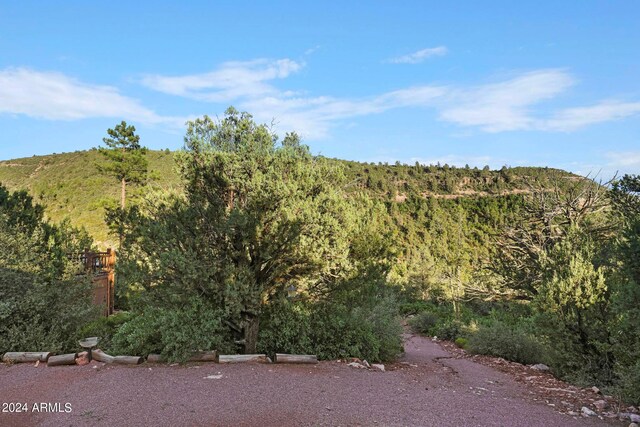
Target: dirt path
[{"x": 425, "y": 388}]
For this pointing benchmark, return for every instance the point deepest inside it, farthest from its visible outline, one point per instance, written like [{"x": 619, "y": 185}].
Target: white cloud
[
  {"x": 624, "y": 160},
  {"x": 230, "y": 81},
  {"x": 504, "y": 106},
  {"x": 610, "y": 164},
  {"x": 312, "y": 117},
  {"x": 55, "y": 96},
  {"x": 419, "y": 56},
  {"x": 575, "y": 118},
  {"x": 508, "y": 105}
]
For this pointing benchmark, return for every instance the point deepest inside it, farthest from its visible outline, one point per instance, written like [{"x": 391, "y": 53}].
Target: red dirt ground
[{"x": 429, "y": 386}]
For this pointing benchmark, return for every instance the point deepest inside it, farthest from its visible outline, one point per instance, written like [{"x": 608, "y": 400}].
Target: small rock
[
  {"x": 572, "y": 413},
  {"x": 82, "y": 359},
  {"x": 540, "y": 367},
  {"x": 633, "y": 425},
  {"x": 634, "y": 418},
  {"x": 413, "y": 365},
  {"x": 378, "y": 366},
  {"x": 595, "y": 389},
  {"x": 213, "y": 377},
  {"x": 586, "y": 412},
  {"x": 356, "y": 365},
  {"x": 366, "y": 364},
  {"x": 600, "y": 405}
]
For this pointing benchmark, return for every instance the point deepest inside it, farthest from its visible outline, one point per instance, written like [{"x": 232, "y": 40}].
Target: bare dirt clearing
[{"x": 427, "y": 387}]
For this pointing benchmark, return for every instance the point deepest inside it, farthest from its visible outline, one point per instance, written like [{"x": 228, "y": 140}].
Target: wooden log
[
  {"x": 155, "y": 358},
  {"x": 127, "y": 360},
  {"x": 203, "y": 356},
  {"x": 63, "y": 359},
  {"x": 25, "y": 356},
  {"x": 101, "y": 356},
  {"x": 296, "y": 358},
  {"x": 240, "y": 358}
]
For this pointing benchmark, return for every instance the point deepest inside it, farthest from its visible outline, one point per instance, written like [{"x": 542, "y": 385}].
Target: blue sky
[{"x": 499, "y": 83}]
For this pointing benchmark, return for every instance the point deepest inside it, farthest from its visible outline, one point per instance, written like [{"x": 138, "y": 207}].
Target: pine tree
[{"x": 125, "y": 158}]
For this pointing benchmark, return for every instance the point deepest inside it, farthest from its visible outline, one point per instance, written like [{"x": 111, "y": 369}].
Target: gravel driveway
[{"x": 425, "y": 388}]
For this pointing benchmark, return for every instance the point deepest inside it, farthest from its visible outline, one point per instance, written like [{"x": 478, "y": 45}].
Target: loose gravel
[{"x": 427, "y": 387}]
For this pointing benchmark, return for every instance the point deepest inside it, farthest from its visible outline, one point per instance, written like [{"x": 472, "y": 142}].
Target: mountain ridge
[{"x": 70, "y": 185}]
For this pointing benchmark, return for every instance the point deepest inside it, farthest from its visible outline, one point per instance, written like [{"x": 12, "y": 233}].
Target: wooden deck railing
[{"x": 101, "y": 265}]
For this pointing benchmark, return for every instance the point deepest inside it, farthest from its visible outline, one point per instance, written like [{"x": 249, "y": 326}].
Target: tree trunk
[
  {"x": 123, "y": 190},
  {"x": 251, "y": 328},
  {"x": 100, "y": 356},
  {"x": 18, "y": 357},
  {"x": 155, "y": 358},
  {"x": 203, "y": 356},
  {"x": 63, "y": 359},
  {"x": 127, "y": 360},
  {"x": 242, "y": 358},
  {"x": 296, "y": 358}
]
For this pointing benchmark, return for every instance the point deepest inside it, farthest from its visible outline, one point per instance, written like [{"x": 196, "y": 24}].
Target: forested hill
[{"x": 70, "y": 185}]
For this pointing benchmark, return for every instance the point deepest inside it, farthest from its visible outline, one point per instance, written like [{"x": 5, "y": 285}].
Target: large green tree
[
  {"x": 258, "y": 218},
  {"x": 625, "y": 197}
]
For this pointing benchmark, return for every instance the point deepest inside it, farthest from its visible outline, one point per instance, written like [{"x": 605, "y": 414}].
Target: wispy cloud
[
  {"x": 419, "y": 56},
  {"x": 232, "y": 80},
  {"x": 624, "y": 159},
  {"x": 513, "y": 104},
  {"x": 575, "y": 118},
  {"x": 516, "y": 103},
  {"x": 507, "y": 105},
  {"x": 251, "y": 86},
  {"x": 312, "y": 117},
  {"x": 55, "y": 96}
]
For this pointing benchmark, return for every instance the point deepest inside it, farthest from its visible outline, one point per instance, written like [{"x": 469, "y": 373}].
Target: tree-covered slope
[{"x": 71, "y": 186}]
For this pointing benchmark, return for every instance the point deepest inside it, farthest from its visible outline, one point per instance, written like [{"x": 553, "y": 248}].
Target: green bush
[
  {"x": 630, "y": 384},
  {"x": 339, "y": 331},
  {"x": 449, "y": 329},
  {"x": 43, "y": 301},
  {"x": 174, "y": 333},
  {"x": 105, "y": 329},
  {"x": 284, "y": 328},
  {"x": 45, "y": 316},
  {"x": 424, "y": 323},
  {"x": 461, "y": 342},
  {"x": 332, "y": 330},
  {"x": 503, "y": 341},
  {"x": 415, "y": 307}
]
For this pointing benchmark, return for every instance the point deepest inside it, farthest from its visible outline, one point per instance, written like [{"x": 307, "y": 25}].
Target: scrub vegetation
[{"x": 243, "y": 242}]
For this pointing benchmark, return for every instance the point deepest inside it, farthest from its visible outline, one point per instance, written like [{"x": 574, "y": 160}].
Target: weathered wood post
[{"x": 111, "y": 280}]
